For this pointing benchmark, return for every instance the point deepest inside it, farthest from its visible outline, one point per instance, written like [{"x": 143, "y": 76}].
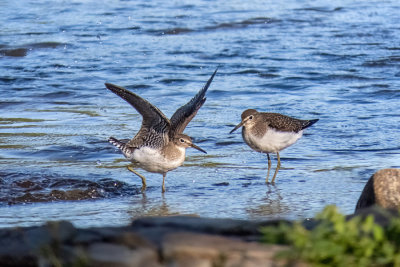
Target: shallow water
[{"x": 336, "y": 61}]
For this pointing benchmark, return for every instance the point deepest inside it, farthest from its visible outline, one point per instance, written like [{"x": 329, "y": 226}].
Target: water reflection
[
  {"x": 271, "y": 204},
  {"x": 144, "y": 207}
]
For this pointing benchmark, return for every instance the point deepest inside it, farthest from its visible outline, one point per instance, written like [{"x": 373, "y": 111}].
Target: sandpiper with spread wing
[
  {"x": 160, "y": 144},
  {"x": 271, "y": 133}
]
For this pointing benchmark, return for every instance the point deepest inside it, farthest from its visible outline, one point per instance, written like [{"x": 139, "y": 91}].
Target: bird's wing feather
[
  {"x": 154, "y": 121},
  {"x": 185, "y": 114},
  {"x": 283, "y": 123}
]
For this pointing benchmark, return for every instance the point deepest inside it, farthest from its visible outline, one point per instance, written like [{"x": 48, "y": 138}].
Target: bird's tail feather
[
  {"x": 127, "y": 150},
  {"x": 309, "y": 123}
]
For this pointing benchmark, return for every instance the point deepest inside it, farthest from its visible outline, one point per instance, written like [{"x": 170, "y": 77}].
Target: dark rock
[
  {"x": 108, "y": 254},
  {"x": 14, "y": 250},
  {"x": 381, "y": 216},
  {"x": 367, "y": 197},
  {"x": 382, "y": 189},
  {"x": 87, "y": 236},
  {"x": 247, "y": 230},
  {"x": 61, "y": 231}
]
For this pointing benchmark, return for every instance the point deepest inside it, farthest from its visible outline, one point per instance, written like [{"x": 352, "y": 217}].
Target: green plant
[{"x": 336, "y": 241}]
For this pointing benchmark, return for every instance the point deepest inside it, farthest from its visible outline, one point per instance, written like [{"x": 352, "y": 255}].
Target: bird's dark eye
[
  {"x": 182, "y": 141},
  {"x": 250, "y": 117}
]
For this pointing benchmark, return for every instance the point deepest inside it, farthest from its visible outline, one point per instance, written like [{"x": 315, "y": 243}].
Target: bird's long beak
[
  {"x": 198, "y": 148},
  {"x": 237, "y": 127}
]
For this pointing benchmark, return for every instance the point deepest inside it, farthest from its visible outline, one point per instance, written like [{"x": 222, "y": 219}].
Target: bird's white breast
[
  {"x": 153, "y": 161},
  {"x": 272, "y": 141}
]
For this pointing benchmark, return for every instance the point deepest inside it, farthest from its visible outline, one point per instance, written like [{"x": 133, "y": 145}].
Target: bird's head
[
  {"x": 185, "y": 141},
  {"x": 248, "y": 119}
]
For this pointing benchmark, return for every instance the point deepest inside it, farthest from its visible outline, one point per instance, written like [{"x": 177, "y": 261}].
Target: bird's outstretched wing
[
  {"x": 185, "y": 114},
  {"x": 155, "y": 125}
]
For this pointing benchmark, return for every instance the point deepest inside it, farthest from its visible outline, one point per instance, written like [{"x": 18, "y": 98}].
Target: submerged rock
[{"x": 20, "y": 187}]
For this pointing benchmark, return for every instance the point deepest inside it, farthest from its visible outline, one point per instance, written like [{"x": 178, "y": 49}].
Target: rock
[
  {"x": 156, "y": 227},
  {"x": 155, "y": 242},
  {"x": 381, "y": 216},
  {"x": 61, "y": 231},
  {"x": 201, "y": 250},
  {"x": 133, "y": 241},
  {"x": 382, "y": 189},
  {"x": 106, "y": 254}
]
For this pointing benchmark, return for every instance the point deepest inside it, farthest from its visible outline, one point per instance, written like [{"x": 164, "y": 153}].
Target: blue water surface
[{"x": 338, "y": 61}]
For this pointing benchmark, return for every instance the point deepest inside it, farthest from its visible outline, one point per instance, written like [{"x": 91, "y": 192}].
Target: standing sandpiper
[
  {"x": 160, "y": 144},
  {"x": 271, "y": 133}
]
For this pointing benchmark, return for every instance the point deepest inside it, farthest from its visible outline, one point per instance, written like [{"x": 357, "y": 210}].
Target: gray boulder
[{"x": 382, "y": 189}]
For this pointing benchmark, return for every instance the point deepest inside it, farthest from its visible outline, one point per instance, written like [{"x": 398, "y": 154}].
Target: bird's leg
[
  {"x": 141, "y": 177},
  {"x": 277, "y": 168},
  {"x": 269, "y": 168},
  {"x": 163, "y": 181}
]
